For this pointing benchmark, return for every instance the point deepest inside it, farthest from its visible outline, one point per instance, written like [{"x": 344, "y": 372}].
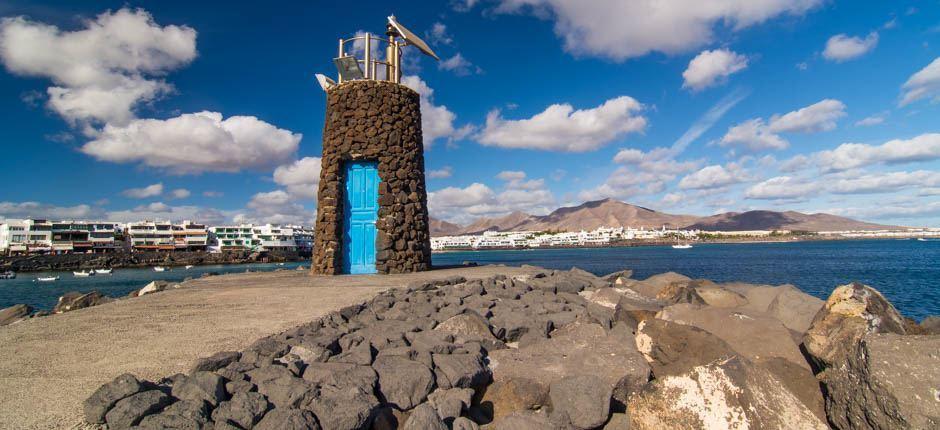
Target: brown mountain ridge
[{"x": 614, "y": 213}]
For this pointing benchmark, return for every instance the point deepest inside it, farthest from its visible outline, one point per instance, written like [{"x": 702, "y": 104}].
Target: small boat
[
  {"x": 920, "y": 239},
  {"x": 189, "y": 266},
  {"x": 84, "y": 274},
  {"x": 104, "y": 271},
  {"x": 159, "y": 269},
  {"x": 681, "y": 245},
  {"x": 8, "y": 275},
  {"x": 47, "y": 279}
]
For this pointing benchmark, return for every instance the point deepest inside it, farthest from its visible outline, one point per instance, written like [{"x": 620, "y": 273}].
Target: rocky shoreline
[
  {"x": 565, "y": 350},
  {"x": 123, "y": 259}
]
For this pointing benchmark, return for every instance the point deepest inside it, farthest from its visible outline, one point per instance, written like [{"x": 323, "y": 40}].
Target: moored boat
[
  {"x": 84, "y": 273},
  {"x": 47, "y": 279},
  {"x": 159, "y": 269},
  {"x": 189, "y": 266},
  {"x": 8, "y": 275},
  {"x": 104, "y": 271}
]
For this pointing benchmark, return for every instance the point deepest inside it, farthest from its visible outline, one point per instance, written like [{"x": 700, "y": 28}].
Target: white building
[
  {"x": 190, "y": 236},
  {"x": 265, "y": 237},
  {"x": 30, "y": 236},
  {"x": 150, "y": 236},
  {"x": 272, "y": 237}
]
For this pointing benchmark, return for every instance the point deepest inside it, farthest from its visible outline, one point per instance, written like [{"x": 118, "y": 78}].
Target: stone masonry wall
[{"x": 375, "y": 121}]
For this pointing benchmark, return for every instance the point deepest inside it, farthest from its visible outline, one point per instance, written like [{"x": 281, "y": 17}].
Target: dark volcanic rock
[
  {"x": 74, "y": 300},
  {"x": 403, "y": 383},
  {"x": 14, "y": 313},
  {"x": 460, "y": 371},
  {"x": 582, "y": 401},
  {"x": 101, "y": 401},
  {"x": 288, "y": 419},
  {"x": 183, "y": 415},
  {"x": 243, "y": 410},
  {"x": 201, "y": 386},
  {"x": 347, "y": 408},
  {"x": 216, "y": 361},
  {"x": 674, "y": 349},
  {"x": 130, "y": 410},
  {"x": 424, "y": 417}
]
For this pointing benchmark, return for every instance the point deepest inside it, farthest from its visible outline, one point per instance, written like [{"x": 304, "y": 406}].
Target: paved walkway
[{"x": 49, "y": 365}]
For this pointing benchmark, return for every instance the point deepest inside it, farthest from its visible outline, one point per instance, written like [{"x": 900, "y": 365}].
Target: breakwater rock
[
  {"x": 124, "y": 259},
  {"x": 561, "y": 350}
]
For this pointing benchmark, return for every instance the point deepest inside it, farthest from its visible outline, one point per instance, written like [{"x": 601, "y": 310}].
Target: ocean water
[
  {"x": 44, "y": 295},
  {"x": 907, "y": 272}
]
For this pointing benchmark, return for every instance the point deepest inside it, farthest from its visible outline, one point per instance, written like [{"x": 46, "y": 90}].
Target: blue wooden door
[{"x": 361, "y": 209}]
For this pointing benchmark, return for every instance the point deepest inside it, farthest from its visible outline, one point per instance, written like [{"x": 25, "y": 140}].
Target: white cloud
[
  {"x": 875, "y": 119},
  {"x": 755, "y": 134},
  {"x": 511, "y": 175},
  {"x": 462, "y": 205},
  {"x": 437, "y": 122},
  {"x": 671, "y": 199},
  {"x": 710, "y": 68},
  {"x": 562, "y": 128},
  {"x": 180, "y": 193},
  {"x": 620, "y": 30},
  {"x": 164, "y": 212},
  {"x": 194, "y": 143},
  {"x": 781, "y": 187},
  {"x": 714, "y": 176},
  {"x": 796, "y": 163},
  {"x": 925, "y": 147},
  {"x": 817, "y": 117},
  {"x": 439, "y": 35},
  {"x": 275, "y": 207},
  {"x": 910, "y": 210},
  {"x": 213, "y": 193},
  {"x": 145, "y": 192},
  {"x": 923, "y": 84},
  {"x": 301, "y": 178},
  {"x": 443, "y": 172},
  {"x": 841, "y": 47},
  {"x": 459, "y": 65},
  {"x": 885, "y": 182},
  {"x": 15, "y": 210},
  {"x": 103, "y": 71},
  {"x": 642, "y": 173}
]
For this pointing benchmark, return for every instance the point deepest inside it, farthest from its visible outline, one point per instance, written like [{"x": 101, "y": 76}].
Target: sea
[{"x": 907, "y": 272}]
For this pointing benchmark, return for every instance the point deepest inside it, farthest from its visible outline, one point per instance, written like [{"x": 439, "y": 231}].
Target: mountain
[
  {"x": 789, "y": 220},
  {"x": 614, "y": 213}
]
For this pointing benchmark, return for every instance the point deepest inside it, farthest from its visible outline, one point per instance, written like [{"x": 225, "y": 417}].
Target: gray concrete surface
[{"x": 49, "y": 365}]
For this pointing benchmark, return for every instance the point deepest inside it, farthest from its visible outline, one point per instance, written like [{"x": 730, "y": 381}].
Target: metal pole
[
  {"x": 389, "y": 54},
  {"x": 368, "y": 56},
  {"x": 339, "y": 78}
]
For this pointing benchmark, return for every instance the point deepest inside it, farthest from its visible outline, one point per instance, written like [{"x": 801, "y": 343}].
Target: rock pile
[{"x": 557, "y": 350}]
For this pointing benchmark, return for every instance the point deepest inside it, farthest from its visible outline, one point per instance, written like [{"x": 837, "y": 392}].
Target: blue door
[{"x": 360, "y": 211}]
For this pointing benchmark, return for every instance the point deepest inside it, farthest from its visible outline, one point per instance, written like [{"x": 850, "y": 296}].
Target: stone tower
[{"x": 372, "y": 124}]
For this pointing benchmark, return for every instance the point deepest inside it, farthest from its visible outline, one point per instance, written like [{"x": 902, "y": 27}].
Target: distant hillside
[
  {"x": 613, "y": 213},
  {"x": 790, "y": 220}
]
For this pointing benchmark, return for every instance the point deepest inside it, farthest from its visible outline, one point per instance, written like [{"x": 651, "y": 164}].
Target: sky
[{"x": 171, "y": 110}]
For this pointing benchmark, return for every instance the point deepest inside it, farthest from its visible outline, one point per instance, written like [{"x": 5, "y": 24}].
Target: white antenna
[{"x": 411, "y": 38}]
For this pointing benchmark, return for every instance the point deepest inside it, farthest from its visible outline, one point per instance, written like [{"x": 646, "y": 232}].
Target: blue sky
[{"x": 172, "y": 110}]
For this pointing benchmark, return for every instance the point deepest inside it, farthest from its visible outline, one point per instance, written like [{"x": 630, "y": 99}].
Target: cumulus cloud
[
  {"x": 462, "y": 205},
  {"x": 180, "y": 193},
  {"x": 925, "y": 147},
  {"x": 640, "y": 173},
  {"x": 885, "y": 182},
  {"x": 195, "y": 143},
  {"x": 756, "y": 134},
  {"x": 923, "y": 84},
  {"x": 620, "y": 30},
  {"x": 443, "y": 172},
  {"x": 562, "y": 128},
  {"x": 842, "y": 47},
  {"x": 796, "y": 163},
  {"x": 459, "y": 65},
  {"x": 710, "y": 68},
  {"x": 875, "y": 119},
  {"x": 164, "y": 212},
  {"x": 301, "y": 178},
  {"x": 275, "y": 207},
  {"x": 145, "y": 192},
  {"x": 437, "y": 122},
  {"x": 103, "y": 71},
  {"x": 439, "y": 35},
  {"x": 781, "y": 187},
  {"x": 16, "y": 210},
  {"x": 714, "y": 176}
]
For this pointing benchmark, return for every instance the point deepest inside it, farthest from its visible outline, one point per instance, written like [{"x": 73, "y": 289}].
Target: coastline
[
  {"x": 123, "y": 260},
  {"x": 644, "y": 243}
]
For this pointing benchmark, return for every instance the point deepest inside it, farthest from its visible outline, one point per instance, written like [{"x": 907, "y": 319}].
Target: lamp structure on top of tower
[
  {"x": 350, "y": 66},
  {"x": 372, "y": 212}
]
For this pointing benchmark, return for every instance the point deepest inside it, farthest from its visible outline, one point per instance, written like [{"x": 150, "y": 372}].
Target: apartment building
[
  {"x": 190, "y": 236},
  {"x": 267, "y": 237},
  {"x": 30, "y": 236}
]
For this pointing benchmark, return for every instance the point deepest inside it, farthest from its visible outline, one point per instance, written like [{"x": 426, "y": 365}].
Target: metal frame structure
[{"x": 397, "y": 37}]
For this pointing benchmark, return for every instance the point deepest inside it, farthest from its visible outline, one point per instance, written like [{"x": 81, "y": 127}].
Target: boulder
[
  {"x": 680, "y": 292},
  {"x": 618, "y": 421},
  {"x": 14, "y": 314},
  {"x": 503, "y": 398},
  {"x": 424, "y": 417},
  {"x": 286, "y": 391},
  {"x": 523, "y": 420},
  {"x": 462, "y": 423},
  {"x": 402, "y": 382},
  {"x": 361, "y": 354},
  {"x": 794, "y": 308},
  {"x": 800, "y": 381},
  {"x": 288, "y": 419},
  {"x": 100, "y": 402},
  {"x": 618, "y": 277},
  {"x": 215, "y": 361},
  {"x": 583, "y": 401},
  {"x": 730, "y": 394},
  {"x": 348, "y": 408},
  {"x": 613, "y": 358},
  {"x": 460, "y": 371},
  {"x": 243, "y": 410},
  {"x": 886, "y": 381},
  {"x": 851, "y": 312},
  {"x": 450, "y": 403},
  {"x": 182, "y": 415},
  {"x": 469, "y": 325},
  {"x": 650, "y": 287},
  {"x": 130, "y": 410},
  {"x": 341, "y": 375},
  {"x": 153, "y": 287},
  {"x": 74, "y": 300},
  {"x": 201, "y": 386},
  {"x": 715, "y": 295},
  {"x": 931, "y": 325},
  {"x": 675, "y": 349},
  {"x": 751, "y": 334}
]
